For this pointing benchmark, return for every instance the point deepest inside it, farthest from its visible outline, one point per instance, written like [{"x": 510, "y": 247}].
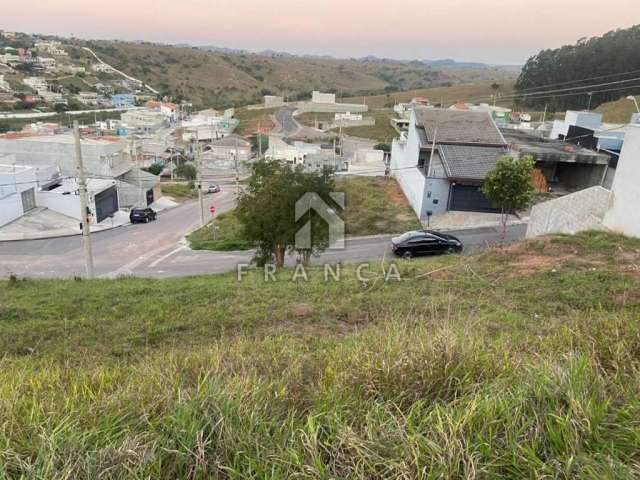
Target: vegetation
[
  {"x": 376, "y": 205},
  {"x": 228, "y": 235},
  {"x": 180, "y": 191},
  {"x": 154, "y": 169},
  {"x": 477, "y": 91},
  {"x": 382, "y": 131},
  {"x": 186, "y": 171},
  {"x": 254, "y": 121},
  {"x": 521, "y": 362},
  {"x": 373, "y": 206},
  {"x": 509, "y": 185},
  {"x": 573, "y": 66},
  {"x": 267, "y": 210},
  {"x": 618, "y": 111}
]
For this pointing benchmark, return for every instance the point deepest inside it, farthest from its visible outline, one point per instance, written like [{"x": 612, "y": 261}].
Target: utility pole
[
  {"x": 237, "y": 171},
  {"x": 589, "y": 104},
  {"x": 84, "y": 214},
  {"x": 260, "y": 138},
  {"x": 544, "y": 114},
  {"x": 199, "y": 178},
  {"x": 433, "y": 148}
]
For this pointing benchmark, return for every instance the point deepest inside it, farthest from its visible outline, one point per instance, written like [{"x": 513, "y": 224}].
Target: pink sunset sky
[{"x": 493, "y": 31}]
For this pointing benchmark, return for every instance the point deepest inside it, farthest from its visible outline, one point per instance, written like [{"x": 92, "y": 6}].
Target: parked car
[
  {"x": 425, "y": 242},
  {"x": 142, "y": 215},
  {"x": 213, "y": 188}
]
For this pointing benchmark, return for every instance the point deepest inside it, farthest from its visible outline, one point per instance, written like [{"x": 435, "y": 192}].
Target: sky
[{"x": 491, "y": 31}]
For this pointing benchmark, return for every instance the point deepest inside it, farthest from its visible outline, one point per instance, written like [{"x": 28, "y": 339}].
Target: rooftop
[
  {"x": 543, "y": 149},
  {"x": 466, "y": 162},
  {"x": 458, "y": 127}
]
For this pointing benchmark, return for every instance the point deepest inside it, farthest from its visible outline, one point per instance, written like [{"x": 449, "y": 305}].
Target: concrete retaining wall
[{"x": 583, "y": 210}]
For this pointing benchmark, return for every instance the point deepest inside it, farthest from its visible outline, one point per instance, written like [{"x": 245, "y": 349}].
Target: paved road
[
  {"x": 158, "y": 250},
  {"x": 126, "y": 250},
  {"x": 289, "y": 126}
]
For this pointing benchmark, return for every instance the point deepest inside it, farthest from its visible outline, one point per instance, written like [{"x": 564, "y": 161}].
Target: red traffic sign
[{"x": 212, "y": 209}]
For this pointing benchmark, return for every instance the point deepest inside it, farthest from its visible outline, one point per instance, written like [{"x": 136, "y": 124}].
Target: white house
[
  {"x": 292, "y": 154},
  {"x": 443, "y": 161},
  {"x": 25, "y": 187}
]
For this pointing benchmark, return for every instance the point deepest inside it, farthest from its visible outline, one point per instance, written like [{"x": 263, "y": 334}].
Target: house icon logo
[{"x": 312, "y": 202}]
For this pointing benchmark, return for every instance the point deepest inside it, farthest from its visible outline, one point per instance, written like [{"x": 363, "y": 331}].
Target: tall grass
[{"x": 505, "y": 382}]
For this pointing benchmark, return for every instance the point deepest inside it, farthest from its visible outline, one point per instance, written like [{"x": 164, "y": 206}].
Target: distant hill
[
  {"x": 213, "y": 76},
  {"x": 606, "y": 66}
]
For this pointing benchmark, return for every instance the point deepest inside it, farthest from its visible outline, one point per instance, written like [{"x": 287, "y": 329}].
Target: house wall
[
  {"x": 624, "y": 212},
  {"x": 100, "y": 158},
  {"x": 319, "y": 97},
  {"x": 68, "y": 205},
  {"x": 12, "y": 184}
]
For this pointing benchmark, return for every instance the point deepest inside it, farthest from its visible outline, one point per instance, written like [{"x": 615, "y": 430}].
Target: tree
[
  {"x": 154, "y": 169},
  {"x": 509, "y": 186},
  {"x": 186, "y": 171},
  {"x": 385, "y": 147},
  {"x": 267, "y": 210}
]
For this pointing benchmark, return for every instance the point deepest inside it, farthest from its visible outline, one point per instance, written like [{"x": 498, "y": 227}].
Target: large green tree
[
  {"x": 553, "y": 77},
  {"x": 266, "y": 210},
  {"x": 509, "y": 185}
]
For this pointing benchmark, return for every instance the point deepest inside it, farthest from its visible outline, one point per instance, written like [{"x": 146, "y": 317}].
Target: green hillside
[{"x": 522, "y": 362}]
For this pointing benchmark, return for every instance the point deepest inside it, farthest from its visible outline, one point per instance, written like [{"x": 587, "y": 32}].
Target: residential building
[
  {"x": 442, "y": 163},
  {"x": 348, "y": 117},
  {"x": 4, "y": 85},
  {"x": 47, "y": 63},
  {"x": 293, "y": 154},
  {"x": 208, "y": 125},
  {"x": 319, "y": 97},
  {"x": 101, "y": 68},
  {"x": 144, "y": 121},
  {"x": 272, "y": 101},
  {"x": 104, "y": 158},
  {"x": 8, "y": 98},
  {"x": 51, "y": 47},
  {"x": 565, "y": 167},
  {"x": 229, "y": 147},
  {"x": 36, "y": 83},
  {"x": 123, "y": 100},
  {"x": 88, "y": 98}
]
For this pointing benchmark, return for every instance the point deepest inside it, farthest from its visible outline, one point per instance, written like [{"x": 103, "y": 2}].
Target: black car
[
  {"x": 425, "y": 242},
  {"x": 142, "y": 215}
]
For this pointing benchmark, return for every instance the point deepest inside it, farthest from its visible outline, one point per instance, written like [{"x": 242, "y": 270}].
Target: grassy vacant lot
[
  {"x": 373, "y": 206},
  {"x": 180, "y": 191},
  {"x": 382, "y": 131},
  {"x": 252, "y": 121},
  {"x": 618, "y": 111},
  {"x": 522, "y": 362},
  {"x": 228, "y": 235}
]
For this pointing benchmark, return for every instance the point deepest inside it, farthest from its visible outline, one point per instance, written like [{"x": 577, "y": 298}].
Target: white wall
[
  {"x": 583, "y": 210},
  {"x": 68, "y": 205},
  {"x": 624, "y": 213},
  {"x": 10, "y": 208},
  {"x": 319, "y": 97}
]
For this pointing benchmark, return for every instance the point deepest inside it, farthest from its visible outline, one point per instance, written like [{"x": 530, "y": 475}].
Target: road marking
[{"x": 164, "y": 257}]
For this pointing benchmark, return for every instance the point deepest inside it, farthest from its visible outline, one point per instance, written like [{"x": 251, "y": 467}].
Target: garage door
[
  {"x": 28, "y": 200},
  {"x": 106, "y": 203},
  {"x": 469, "y": 198}
]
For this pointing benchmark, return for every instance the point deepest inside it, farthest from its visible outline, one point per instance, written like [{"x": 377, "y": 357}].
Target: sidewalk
[{"x": 468, "y": 220}]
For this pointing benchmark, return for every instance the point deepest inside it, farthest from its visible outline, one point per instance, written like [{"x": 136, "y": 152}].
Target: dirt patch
[{"x": 393, "y": 194}]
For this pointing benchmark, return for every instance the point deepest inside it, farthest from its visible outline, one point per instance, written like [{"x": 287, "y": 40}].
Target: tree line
[{"x": 616, "y": 52}]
